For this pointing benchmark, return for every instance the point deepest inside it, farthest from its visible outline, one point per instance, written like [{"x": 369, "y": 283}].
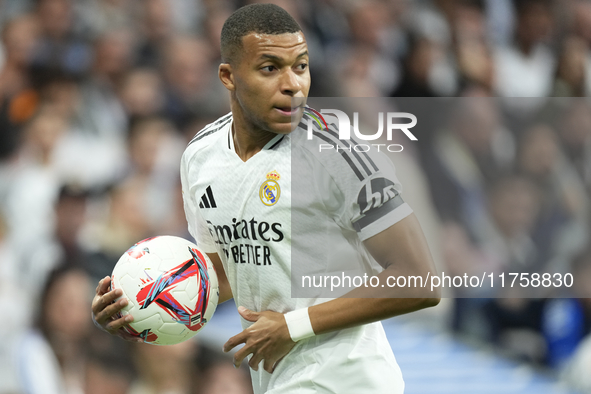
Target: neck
[
  {"x": 248, "y": 138},
  {"x": 526, "y": 47}
]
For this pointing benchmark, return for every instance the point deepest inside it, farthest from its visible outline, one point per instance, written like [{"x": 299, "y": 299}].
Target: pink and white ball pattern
[{"x": 171, "y": 287}]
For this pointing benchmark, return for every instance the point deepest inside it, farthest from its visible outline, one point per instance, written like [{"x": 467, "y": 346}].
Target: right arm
[
  {"x": 106, "y": 303},
  {"x": 225, "y": 290},
  {"x": 200, "y": 232}
]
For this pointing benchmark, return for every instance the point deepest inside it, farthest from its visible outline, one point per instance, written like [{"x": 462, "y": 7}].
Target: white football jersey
[{"x": 263, "y": 217}]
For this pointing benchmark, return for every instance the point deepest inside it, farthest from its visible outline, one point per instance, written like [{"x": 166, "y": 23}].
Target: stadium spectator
[
  {"x": 16, "y": 306},
  {"x": 564, "y": 204},
  {"x": 70, "y": 217},
  {"x": 224, "y": 379},
  {"x": 164, "y": 369},
  {"x": 109, "y": 366},
  {"x": 581, "y": 15},
  {"x": 514, "y": 206},
  {"x": 33, "y": 190},
  {"x": 157, "y": 28},
  {"x": 189, "y": 93},
  {"x": 525, "y": 68},
  {"x": 141, "y": 93},
  {"x": 471, "y": 151},
  {"x": 105, "y": 15},
  {"x": 64, "y": 324},
  {"x": 417, "y": 66},
  {"x": 574, "y": 132},
  {"x": 154, "y": 151},
  {"x": 103, "y": 114},
  {"x": 370, "y": 70},
  {"x": 217, "y": 374},
  {"x": 124, "y": 224},
  {"x": 63, "y": 44},
  {"x": 571, "y": 74},
  {"x": 19, "y": 40}
]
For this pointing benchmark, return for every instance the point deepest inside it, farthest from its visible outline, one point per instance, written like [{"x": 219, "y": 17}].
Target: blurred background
[{"x": 98, "y": 99}]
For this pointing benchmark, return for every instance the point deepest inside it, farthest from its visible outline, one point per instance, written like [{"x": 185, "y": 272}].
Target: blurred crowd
[{"x": 98, "y": 99}]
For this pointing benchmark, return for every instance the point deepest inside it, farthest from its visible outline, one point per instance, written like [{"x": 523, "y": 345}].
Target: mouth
[{"x": 288, "y": 111}]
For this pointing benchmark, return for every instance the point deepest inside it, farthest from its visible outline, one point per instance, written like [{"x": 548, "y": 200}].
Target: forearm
[
  {"x": 223, "y": 283},
  {"x": 225, "y": 292},
  {"x": 349, "y": 311}
]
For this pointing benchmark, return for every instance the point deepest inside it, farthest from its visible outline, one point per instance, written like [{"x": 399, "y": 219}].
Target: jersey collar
[{"x": 272, "y": 144}]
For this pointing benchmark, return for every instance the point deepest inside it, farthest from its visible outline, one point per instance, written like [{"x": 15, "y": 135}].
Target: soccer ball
[{"x": 171, "y": 286}]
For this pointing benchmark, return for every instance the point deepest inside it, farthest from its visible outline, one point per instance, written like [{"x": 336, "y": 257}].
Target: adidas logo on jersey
[{"x": 207, "y": 200}]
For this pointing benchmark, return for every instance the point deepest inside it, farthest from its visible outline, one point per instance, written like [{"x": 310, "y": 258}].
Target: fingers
[
  {"x": 275, "y": 365},
  {"x": 105, "y": 300},
  {"x": 111, "y": 310},
  {"x": 235, "y": 341},
  {"x": 241, "y": 355},
  {"x": 269, "y": 365},
  {"x": 247, "y": 314},
  {"x": 264, "y": 340},
  {"x": 103, "y": 286},
  {"x": 116, "y": 324},
  {"x": 104, "y": 308},
  {"x": 128, "y": 337},
  {"x": 255, "y": 360}
]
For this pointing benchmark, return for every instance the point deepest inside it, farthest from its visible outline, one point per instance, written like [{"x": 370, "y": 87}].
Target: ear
[{"x": 226, "y": 75}]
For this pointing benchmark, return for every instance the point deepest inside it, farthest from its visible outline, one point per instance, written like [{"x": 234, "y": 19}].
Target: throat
[{"x": 246, "y": 144}]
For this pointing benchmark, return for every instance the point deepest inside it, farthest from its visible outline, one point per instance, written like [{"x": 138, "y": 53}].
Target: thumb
[{"x": 247, "y": 314}]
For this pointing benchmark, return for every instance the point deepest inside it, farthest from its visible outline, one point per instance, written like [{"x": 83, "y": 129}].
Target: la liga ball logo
[{"x": 269, "y": 192}]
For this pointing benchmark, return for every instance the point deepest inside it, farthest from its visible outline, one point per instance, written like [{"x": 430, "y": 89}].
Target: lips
[{"x": 287, "y": 111}]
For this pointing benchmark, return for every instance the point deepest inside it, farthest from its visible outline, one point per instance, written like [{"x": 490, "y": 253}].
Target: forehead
[{"x": 255, "y": 44}]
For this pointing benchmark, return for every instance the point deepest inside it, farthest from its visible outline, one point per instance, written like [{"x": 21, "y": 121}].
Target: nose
[{"x": 290, "y": 83}]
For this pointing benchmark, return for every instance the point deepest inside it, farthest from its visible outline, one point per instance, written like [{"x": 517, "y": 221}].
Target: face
[
  {"x": 269, "y": 72},
  {"x": 67, "y": 305},
  {"x": 534, "y": 24},
  {"x": 478, "y": 125}
]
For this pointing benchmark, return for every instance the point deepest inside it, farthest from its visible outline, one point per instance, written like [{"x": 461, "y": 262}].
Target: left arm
[{"x": 401, "y": 250}]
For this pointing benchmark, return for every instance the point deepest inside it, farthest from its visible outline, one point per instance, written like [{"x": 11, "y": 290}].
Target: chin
[{"x": 282, "y": 128}]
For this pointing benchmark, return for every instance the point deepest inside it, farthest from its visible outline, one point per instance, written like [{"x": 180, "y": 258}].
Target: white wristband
[{"x": 299, "y": 325}]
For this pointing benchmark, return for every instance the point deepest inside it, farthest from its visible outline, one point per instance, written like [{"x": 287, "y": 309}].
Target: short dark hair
[
  {"x": 254, "y": 18},
  {"x": 522, "y": 6}
]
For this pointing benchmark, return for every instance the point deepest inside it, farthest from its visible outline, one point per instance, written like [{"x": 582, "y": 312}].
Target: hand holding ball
[{"x": 171, "y": 287}]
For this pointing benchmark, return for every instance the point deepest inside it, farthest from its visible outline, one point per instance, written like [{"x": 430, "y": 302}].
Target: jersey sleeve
[
  {"x": 376, "y": 203},
  {"x": 367, "y": 191},
  {"x": 196, "y": 224}
]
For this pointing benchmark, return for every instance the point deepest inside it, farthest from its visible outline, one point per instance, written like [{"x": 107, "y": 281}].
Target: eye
[
  {"x": 269, "y": 68},
  {"x": 302, "y": 67}
]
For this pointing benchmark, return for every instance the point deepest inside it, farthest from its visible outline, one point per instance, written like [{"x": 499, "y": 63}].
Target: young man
[{"x": 239, "y": 204}]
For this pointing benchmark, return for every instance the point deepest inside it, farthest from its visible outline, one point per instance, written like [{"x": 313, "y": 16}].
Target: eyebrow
[{"x": 277, "y": 58}]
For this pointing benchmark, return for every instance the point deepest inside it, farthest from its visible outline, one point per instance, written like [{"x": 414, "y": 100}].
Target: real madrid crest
[{"x": 270, "y": 190}]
